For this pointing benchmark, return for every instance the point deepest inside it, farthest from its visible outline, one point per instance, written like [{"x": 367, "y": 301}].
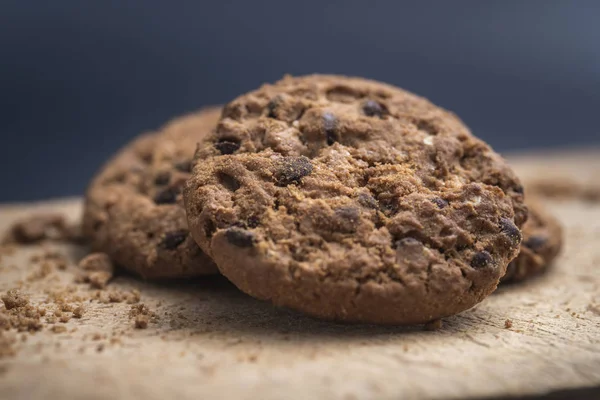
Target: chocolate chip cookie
[
  {"x": 542, "y": 241},
  {"x": 353, "y": 200},
  {"x": 133, "y": 208}
]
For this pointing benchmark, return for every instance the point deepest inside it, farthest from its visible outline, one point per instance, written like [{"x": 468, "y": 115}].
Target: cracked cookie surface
[
  {"x": 542, "y": 242},
  {"x": 353, "y": 200},
  {"x": 133, "y": 208}
]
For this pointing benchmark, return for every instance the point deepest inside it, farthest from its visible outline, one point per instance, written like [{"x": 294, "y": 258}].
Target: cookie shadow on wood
[{"x": 214, "y": 305}]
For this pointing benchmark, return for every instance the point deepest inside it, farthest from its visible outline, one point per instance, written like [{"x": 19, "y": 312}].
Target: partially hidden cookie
[
  {"x": 353, "y": 200},
  {"x": 542, "y": 242},
  {"x": 133, "y": 208}
]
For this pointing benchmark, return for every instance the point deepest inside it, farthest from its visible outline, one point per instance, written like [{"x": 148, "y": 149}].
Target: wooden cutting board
[{"x": 208, "y": 340}]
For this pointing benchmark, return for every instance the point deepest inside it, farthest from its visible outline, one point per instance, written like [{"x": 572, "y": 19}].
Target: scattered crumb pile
[
  {"x": 56, "y": 302},
  {"x": 118, "y": 296},
  {"x": 46, "y": 226},
  {"x": 96, "y": 269},
  {"x": 67, "y": 304},
  {"x": 19, "y": 314},
  {"x": 51, "y": 302},
  {"x": 142, "y": 315}
]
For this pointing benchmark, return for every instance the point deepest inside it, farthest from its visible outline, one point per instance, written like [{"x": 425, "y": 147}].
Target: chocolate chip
[
  {"x": 367, "y": 200},
  {"x": 239, "y": 237},
  {"x": 209, "y": 228},
  {"x": 227, "y": 146},
  {"x": 509, "y": 229},
  {"x": 347, "y": 212},
  {"x": 519, "y": 189},
  {"x": 172, "y": 240},
  {"x": 481, "y": 259},
  {"x": 372, "y": 108},
  {"x": 536, "y": 242},
  {"x": 167, "y": 196},
  {"x": 184, "y": 166},
  {"x": 345, "y": 219},
  {"x": 292, "y": 169},
  {"x": 330, "y": 128},
  {"x": 441, "y": 203},
  {"x": 228, "y": 181},
  {"x": 272, "y": 107},
  {"x": 253, "y": 222},
  {"x": 162, "y": 178}
]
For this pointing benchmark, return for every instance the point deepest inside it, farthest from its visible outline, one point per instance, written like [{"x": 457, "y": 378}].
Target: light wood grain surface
[{"x": 211, "y": 341}]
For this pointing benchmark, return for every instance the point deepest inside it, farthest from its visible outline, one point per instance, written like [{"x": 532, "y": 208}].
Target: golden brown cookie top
[{"x": 326, "y": 184}]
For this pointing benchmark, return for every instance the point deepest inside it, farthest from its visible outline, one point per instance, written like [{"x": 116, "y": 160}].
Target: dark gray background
[{"x": 79, "y": 78}]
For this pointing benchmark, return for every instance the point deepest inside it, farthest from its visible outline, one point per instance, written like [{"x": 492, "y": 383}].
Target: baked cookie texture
[
  {"x": 133, "y": 208},
  {"x": 353, "y": 200},
  {"x": 542, "y": 242}
]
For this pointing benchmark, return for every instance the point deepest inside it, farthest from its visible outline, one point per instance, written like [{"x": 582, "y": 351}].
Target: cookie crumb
[
  {"x": 141, "y": 315},
  {"x": 434, "y": 325},
  {"x": 141, "y": 321},
  {"x": 118, "y": 296},
  {"x": 97, "y": 269},
  {"x": 19, "y": 314},
  {"x": 58, "y": 329},
  {"x": 38, "y": 227},
  {"x": 13, "y": 299},
  {"x": 65, "y": 307},
  {"x": 508, "y": 324},
  {"x": 78, "y": 312}
]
